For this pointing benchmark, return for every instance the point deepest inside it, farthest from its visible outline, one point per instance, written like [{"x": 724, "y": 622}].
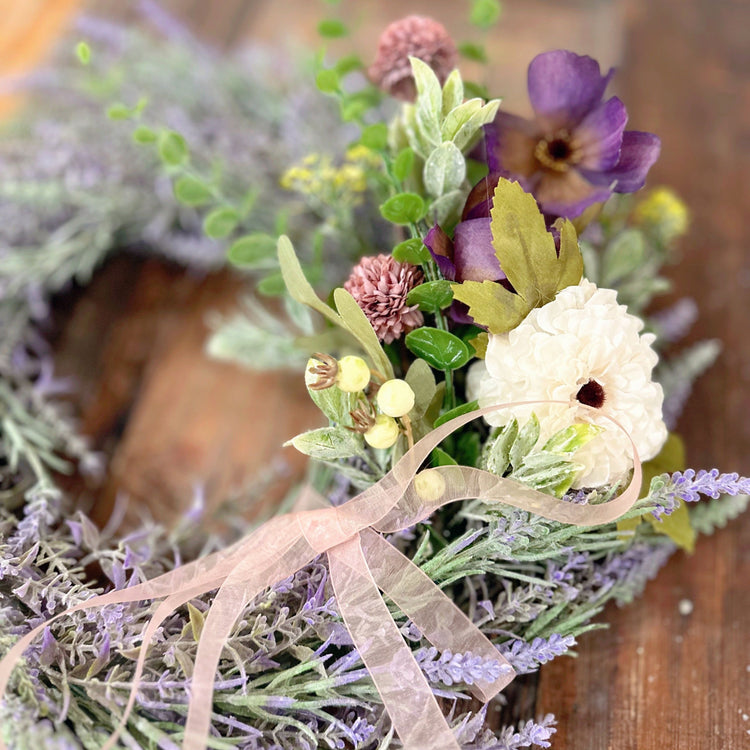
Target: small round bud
[
  {"x": 384, "y": 433},
  {"x": 395, "y": 398},
  {"x": 353, "y": 374},
  {"x": 429, "y": 485}
]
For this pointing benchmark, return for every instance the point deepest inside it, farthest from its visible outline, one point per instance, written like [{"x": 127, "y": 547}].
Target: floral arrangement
[{"x": 510, "y": 277}]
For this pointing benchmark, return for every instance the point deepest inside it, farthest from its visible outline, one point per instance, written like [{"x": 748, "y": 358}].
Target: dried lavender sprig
[
  {"x": 528, "y": 657},
  {"x": 450, "y": 668},
  {"x": 667, "y": 491}
]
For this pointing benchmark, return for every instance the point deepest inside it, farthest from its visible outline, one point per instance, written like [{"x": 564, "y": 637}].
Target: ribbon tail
[
  {"x": 263, "y": 565},
  {"x": 162, "y": 611},
  {"x": 407, "y": 697},
  {"x": 436, "y": 616}
]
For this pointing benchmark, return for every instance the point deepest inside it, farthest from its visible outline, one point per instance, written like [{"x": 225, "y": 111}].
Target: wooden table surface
[{"x": 169, "y": 418}]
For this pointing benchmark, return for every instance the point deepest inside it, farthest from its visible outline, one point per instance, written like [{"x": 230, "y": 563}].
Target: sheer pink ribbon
[{"x": 361, "y": 561}]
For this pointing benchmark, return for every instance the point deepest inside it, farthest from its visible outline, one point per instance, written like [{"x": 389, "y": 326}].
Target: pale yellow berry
[
  {"x": 429, "y": 485},
  {"x": 395, "y": 398},
  {"x": 353, "y": 374},
  {"x": 384, "y": 433}
]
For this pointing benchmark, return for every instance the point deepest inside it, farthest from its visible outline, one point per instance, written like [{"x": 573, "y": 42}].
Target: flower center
[
  {"x": 591, "y": 394},
  {"x": 557, "y": 152}
]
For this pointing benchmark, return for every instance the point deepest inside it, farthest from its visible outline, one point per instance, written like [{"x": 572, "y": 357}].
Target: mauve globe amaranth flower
[
  {"x": 380, "y": 285},
  {"x": 413, "y": 36},
  {"x": 576, "y": 151}
]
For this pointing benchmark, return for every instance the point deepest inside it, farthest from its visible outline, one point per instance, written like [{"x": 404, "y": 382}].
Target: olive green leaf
[
  {"x": 529, "y": 258},
  {"x": 348, "y": 314},
  {"x": 677, "y": 524},
  {"x": 353, "y": 319}
]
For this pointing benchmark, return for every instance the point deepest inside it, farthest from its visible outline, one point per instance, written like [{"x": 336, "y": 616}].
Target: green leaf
[
  {"x": 422, "y": 382},
  {"x": 527, "y": 255},
  {"x": 144, "y": 134},
  {"x": 119, "y": 111},
  {"x": 83, "y": 53},
  {"x": 570, "y": 439},
  {"x": 402, "y": 164},
  {"x": 348, "y": 64},
  {"x": 496, "y": 456},
  {"x": 328, "y": 443},
  {"x": 197, "y": 619},
  {"x": 491, "y": 304},
  {"x": 624, "y": 255},
  {"x": 456, "y": 412},
  {"x": 440, "y": 458},
  {"x": 429, "y": 104},
  {"x": 676, "y": 526},
  {"x": 173, "y": 149},
  {"x": 332, "y": 28},
  {"x": 431, "y": 296},
  {"x": 473, "y": 51},
  {"x": 375, "y": 136},
  {"x": 671, "y": 458},
  {"x": 440, "y": 349},
  {"x": 453, "y": 92},
  {"x": 411, "y": 251},
  {"x": 528, "y": 436},
  {"x": 479, "y": 343},
  {"x": 253, "y": 251},
  {"x": 272, "y": 285},
  {"x": 192, "y": 192},
  {"x": 221, "y": 222},
  {"x": 327, "y": 81},
  {"x": 476, "y": 89},
  {"x": 298, "y": 286},
  {"x": 444, "y": 170},
  {"x": 404, "y": 208},
  {"x": 485, "y": 13},
  {"x": 353, "y": 319}
]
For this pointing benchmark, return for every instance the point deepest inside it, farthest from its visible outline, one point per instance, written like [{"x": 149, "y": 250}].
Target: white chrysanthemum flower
[{"x": 580, "y": 348}]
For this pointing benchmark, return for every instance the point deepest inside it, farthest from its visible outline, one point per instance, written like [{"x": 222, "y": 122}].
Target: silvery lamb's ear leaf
[
  {"x": 458, "y": 117},
  {"x": 496, "y": 455},
  {"x": 328, "y": 443},
  {"x": 470, "y": 129},
  {"x": 444, "y": 170},
  {"x": 528, "y": 436},
  {"x": 429, "y": 94},
  {"x": 453, "y": 92},
  {"x": 447, "y": 207},
  {"x": 624, "y": 254}
]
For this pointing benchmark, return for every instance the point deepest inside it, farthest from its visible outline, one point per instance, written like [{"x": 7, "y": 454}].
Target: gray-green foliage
[{"x": 439, "y": 128}]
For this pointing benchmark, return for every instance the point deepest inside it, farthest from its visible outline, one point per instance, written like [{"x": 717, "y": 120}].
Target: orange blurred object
[{"x": 28, "y": 31}]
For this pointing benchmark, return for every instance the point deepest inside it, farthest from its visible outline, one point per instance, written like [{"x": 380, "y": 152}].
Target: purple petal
[
  {"x": 599, "y": 136},
  {"x": 509, "y": 143},
  {"x": 568, "y": 194},
  {"x": 474, "y": 256},
  {"x": 479, "y": 203},
  {"x": 440, "y": 246},
  {"x": 638, "y": 153},
  {"x": 565, "y": 87}
]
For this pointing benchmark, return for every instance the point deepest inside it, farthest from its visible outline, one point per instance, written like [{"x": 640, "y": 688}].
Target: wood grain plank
[{"x": 656, "y": 678}]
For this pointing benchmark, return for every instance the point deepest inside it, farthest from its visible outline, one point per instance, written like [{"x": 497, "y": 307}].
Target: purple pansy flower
[{"x": 576, "y": 151}]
